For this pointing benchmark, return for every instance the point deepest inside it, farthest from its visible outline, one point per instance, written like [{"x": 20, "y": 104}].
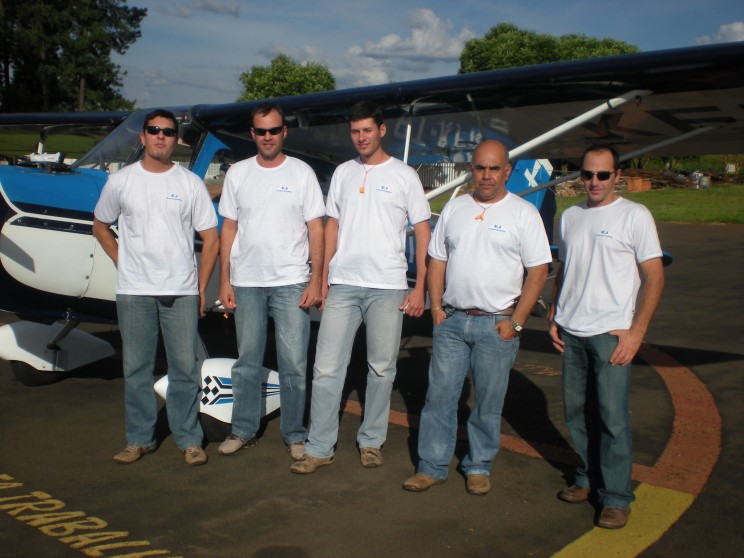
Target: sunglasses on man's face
[
  {"x": 601, "y": 175},
  {"x": 261, "y": 132},
  {"x": 155, "y": 130}
]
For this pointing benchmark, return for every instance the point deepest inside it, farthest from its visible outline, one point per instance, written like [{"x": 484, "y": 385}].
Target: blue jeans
[
  {"x": 345, "y": 308},
  {"x": 177, "y": 317},
  {"x": 595, "y": 396},
  {"x": 463, "y": 343},
  {"x": 292, "y": 333}
]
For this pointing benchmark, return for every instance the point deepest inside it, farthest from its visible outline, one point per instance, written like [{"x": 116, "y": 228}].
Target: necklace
[
  {"x": 366, "y": 172},
  {"x": 484, "y": 208}
]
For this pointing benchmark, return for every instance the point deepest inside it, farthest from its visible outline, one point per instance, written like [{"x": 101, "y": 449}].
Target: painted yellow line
[{"x": 653, "y": 513}]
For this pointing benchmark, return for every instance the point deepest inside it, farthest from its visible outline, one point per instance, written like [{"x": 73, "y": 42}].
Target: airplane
[{"x": 54, "y": 275}]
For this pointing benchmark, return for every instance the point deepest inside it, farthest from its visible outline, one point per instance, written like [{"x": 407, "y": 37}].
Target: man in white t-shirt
[
  {"x": 371, "y": 201},
  {"x": 159, "y": 205},
  {"x": 271, "y": 258},
  {"x": 480, "y": 300},
  {"x": 606, "y": 292}
]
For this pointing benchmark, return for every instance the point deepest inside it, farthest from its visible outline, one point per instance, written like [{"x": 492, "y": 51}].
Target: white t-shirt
[
  {"x": 272, "y": 207},
  {"x": 370, "y": 250},
  {"x": 158, "y": 214},
  {"x": 486, "y": 258},
  {"x": 600, "y": 248}
]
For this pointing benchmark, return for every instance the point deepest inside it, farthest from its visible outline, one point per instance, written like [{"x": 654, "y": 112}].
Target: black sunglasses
[
  {"x": 155, "y": 130},
  {"x": 261, "y": 132},
  {"x": 601, "y": 175}
]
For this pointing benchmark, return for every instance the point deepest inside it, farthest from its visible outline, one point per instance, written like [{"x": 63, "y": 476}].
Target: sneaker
[
  {"x": 296, "y": 450},
  {"x": 574, "y": 494},
  {"x": 132, "y": 453},
  {"x": 371, "y": 457},
  {"x": 420, "y": 482},
  {"x": 234, "y": 443},
  {"x": 194, "y": 456},
  {"x": 613, "y": 518},
  {"x": 308, "y": 464},
  {"x": 478, "y": 485}
]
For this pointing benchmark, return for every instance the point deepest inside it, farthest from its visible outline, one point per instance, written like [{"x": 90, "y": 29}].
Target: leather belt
[{"x": 479, "y": 312}]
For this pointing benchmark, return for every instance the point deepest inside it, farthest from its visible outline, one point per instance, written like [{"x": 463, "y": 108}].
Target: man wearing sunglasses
[
  {"x": 606, "y": 292},
  {"x": 159, "y": 205},
  {"x": 271, "y": 259}
]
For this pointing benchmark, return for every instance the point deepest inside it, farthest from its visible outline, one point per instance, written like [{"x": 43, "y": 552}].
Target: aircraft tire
[
  {"x": 214, "y": 430},
  {"x": 32, "y": 377}
]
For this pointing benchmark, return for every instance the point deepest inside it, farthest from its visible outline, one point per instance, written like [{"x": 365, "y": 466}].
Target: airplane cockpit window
[
  {"x": 122, "y": 147},
  {"x": 222, "y": 160}
]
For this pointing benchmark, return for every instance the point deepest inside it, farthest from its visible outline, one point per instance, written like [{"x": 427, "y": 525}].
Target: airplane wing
[{"x": 687, "y": 101}]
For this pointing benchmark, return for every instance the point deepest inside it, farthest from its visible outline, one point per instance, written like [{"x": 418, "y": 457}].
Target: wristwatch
[{"x": 517, "y": 327}]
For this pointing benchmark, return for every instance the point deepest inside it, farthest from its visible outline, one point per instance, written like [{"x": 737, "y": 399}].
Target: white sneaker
[{"x": 234, "y": 443}]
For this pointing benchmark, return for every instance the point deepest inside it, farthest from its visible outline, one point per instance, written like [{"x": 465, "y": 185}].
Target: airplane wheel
[
  {"x": 32, "y": 377},
  {"x": 214, "y": 430}
]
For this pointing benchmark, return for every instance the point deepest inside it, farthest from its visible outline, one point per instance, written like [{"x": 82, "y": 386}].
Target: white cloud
[
  {"x": 430, "y": 39},
  {"x": 728, "y": 33},
  {"x": 187, "y": 9},
  {"x": 392, "y": 57}
]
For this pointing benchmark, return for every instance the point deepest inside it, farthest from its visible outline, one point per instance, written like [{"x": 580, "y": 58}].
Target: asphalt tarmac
[{"x": 62, "y": 495}]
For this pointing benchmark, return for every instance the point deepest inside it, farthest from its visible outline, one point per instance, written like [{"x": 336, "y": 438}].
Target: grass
[{"x": 717, "y": 204}]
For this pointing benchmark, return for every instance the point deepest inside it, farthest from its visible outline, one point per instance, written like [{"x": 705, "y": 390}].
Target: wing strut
[
  {"x": 623, "y": 158},
  {"x": 549, "y": 135}
]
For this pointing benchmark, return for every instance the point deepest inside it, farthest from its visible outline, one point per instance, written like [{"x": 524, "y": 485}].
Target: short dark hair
[
  {"x": 366, "y": 109},
  {"x": 265, "y": 108},
  {"x": 598, "y": 149},
  {"x": 160, "y": 113}
]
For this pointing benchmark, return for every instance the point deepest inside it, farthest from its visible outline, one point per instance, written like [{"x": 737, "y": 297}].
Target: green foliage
[
  {"x": 56, "y": 55},
  {"x": 717, "y": 204},
  {"x": 285, "y": 77},
  {"x": 507, "y": 46}
]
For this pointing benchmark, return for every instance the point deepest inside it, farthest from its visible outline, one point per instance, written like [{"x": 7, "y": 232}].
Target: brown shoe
[
  {"x": 420, "y": 482},
  {"x": 574, "y": 494},
  {"x": 131, "y": 453},
  {"x": 371, "y": 457},
  {"x": 613, "y": 518},
  {"x": 478, "y": 485},
  {"x": 194, "y": 456},
  {"x": 309, "y": 463}
]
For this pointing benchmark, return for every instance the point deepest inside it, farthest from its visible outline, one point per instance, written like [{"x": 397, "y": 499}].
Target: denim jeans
[
  {"x": 345, "y": 308},
  {"x": 595, "y": 396},
  {"x": 463, "y": 343},
  {"x": 177, "y": 317},
  {"x": 292, "y": 333}
]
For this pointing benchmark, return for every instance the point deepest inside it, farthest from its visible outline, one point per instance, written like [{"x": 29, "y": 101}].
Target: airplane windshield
[{"x": 122, "y": 147}]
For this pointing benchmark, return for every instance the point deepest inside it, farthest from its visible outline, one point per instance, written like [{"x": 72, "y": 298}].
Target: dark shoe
[
  {"x": 478, "y": 485},
  {"x": 308, "y": 464},
  {"x": 613, "y": 518},
  {"x": 131, "y": 453},
  {"x": 371, "y": 457},
  {"x": 234, "y": 443},
  {"x": 420, "y": 482},
  {"x": 574, "y": 494},
  {"x": 194, "y": 456}
]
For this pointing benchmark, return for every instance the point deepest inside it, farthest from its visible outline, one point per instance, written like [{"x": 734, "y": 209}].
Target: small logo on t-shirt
[
  {"x": 496, "y": 228},
  {"x": 284, "y": 190},
  {"x": 604, "y": 233},
  {"x": 174, "y": 197},
  {"x": 384, "y": 189}
]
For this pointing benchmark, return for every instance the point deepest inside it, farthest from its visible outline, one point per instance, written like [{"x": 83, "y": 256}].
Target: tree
[
  {"x": 285, "y": 77},
  {"x": 56, "y": 55},
  {"x": 507, "y": 46}
]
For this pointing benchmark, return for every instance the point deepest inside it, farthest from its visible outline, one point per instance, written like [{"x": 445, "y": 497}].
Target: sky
[{"x": 193, "y": 51}]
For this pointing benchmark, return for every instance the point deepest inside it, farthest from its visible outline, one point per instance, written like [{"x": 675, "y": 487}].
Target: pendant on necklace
[
  {"x": 361, "y": 189},
  {"x": 479, "y": 217}
]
